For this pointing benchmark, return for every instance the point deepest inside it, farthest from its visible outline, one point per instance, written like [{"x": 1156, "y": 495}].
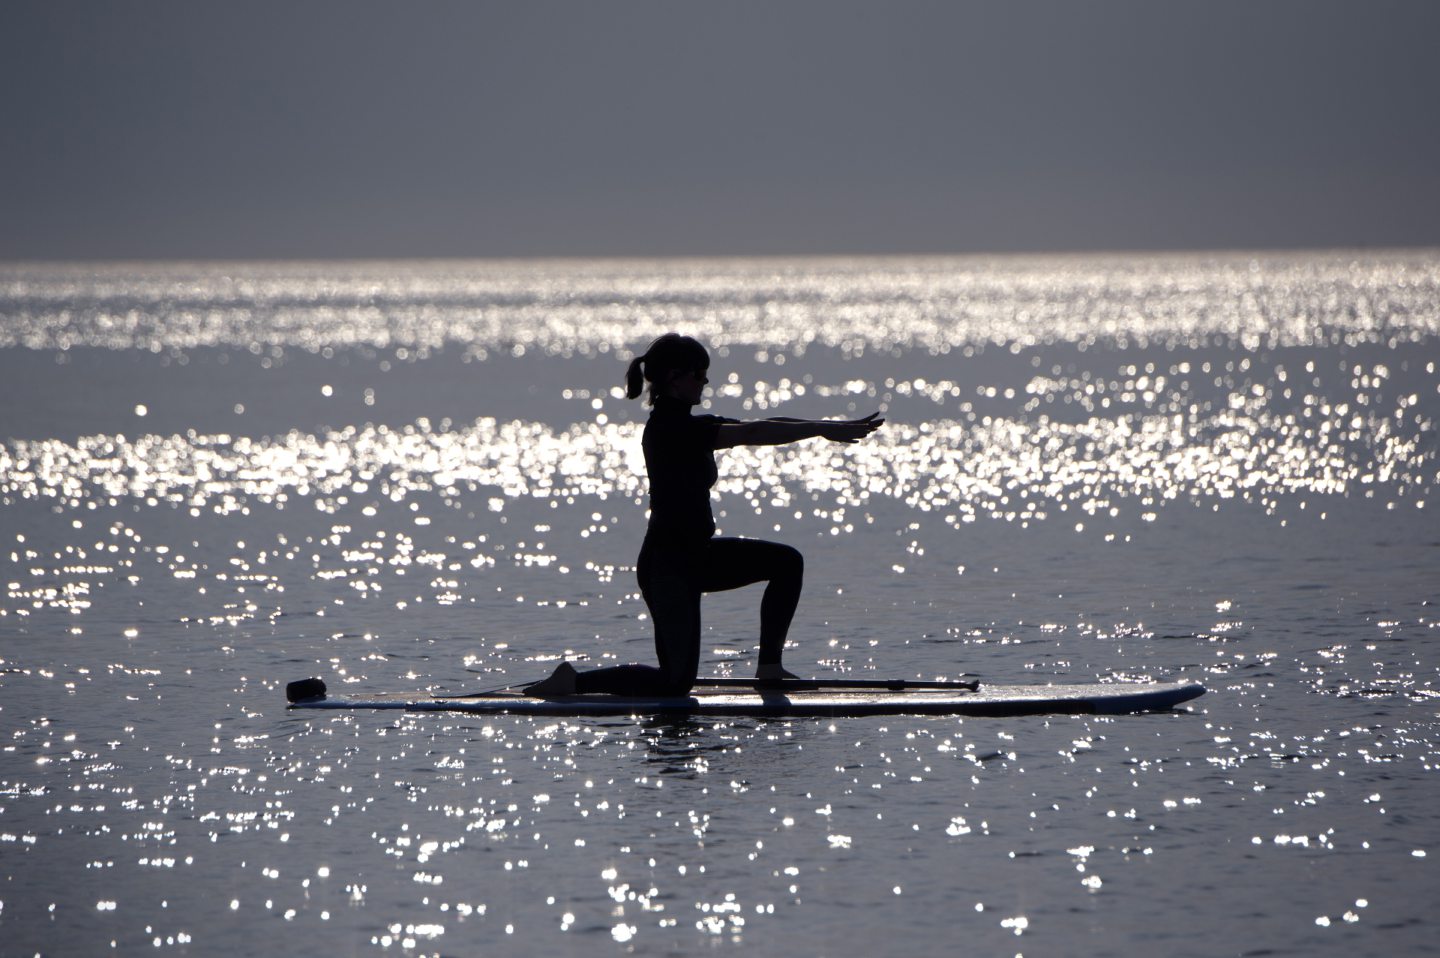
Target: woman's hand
[{"x": 850, "y": 431}]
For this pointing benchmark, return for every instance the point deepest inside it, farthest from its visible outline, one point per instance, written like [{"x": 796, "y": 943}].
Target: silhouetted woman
[{"x": 682, "y": 558}]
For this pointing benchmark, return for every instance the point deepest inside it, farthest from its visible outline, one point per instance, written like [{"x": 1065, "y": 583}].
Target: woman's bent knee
[
  {"x": 791, "y": 560},
  {"x": 676, "y": 684}
]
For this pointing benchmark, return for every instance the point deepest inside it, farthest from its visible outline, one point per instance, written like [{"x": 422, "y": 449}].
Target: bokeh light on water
[
  {"x": 219, "y": 478},
  {"x": 589, "y": 309}
]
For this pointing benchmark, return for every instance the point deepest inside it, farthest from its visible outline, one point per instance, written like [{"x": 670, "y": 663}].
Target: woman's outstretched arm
[{"x": 775, "y": 432}]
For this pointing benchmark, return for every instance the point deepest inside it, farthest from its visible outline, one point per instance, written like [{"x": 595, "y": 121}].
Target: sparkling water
[{"x": 219, "y": 478}]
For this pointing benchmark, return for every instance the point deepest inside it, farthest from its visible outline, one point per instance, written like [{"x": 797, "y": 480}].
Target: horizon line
[{"x": 1156, "y": 252}]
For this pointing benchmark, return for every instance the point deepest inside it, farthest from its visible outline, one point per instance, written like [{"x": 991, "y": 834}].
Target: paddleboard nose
[{"x": 305, "y": 690}]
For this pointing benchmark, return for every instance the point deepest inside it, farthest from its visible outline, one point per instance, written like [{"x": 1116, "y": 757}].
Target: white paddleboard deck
[{"x": 989, "y": 700}]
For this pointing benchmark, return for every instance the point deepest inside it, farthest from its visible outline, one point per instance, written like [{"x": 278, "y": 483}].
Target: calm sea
[{"x": 218, "y": 478}]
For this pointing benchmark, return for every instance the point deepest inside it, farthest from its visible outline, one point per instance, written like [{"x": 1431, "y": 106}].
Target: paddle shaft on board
[{"x": 798, "y": 685}]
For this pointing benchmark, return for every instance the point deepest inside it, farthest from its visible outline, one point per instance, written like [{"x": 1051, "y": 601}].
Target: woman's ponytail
[{"x": 635, "y": 378}]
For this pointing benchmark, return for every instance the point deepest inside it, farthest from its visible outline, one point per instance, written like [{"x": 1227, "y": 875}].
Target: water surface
[{"x": 215, "y": 479}]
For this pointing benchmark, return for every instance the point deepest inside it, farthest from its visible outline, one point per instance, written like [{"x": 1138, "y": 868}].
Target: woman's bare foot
[
  {"x": 560, "y": 683},
  {"x": 773, "y": 672}
]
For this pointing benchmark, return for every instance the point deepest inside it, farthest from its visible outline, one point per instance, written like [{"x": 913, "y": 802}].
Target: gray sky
[{"x": 164, "y": 129}]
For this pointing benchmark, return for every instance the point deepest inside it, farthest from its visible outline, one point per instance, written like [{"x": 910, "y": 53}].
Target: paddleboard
[{"x": 988, "y": 700}]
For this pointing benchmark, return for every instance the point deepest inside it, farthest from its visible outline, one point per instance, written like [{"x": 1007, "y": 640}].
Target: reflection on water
[
  {"x": 1002, "y": 469},
  {"x": 1366, "y": 442},
  {"x": 588, "y": 309},
  {"x": 1210, "y": 467}
]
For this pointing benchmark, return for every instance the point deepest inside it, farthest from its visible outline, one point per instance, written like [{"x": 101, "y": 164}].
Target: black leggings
[{"x": 672, "y": 582}]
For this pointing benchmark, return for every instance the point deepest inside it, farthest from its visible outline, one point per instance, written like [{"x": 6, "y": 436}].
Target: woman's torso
[{"x": 680, "y": 462}]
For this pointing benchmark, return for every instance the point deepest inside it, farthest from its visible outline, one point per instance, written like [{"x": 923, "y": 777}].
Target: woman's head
[{"x": 669, "y": 356}]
